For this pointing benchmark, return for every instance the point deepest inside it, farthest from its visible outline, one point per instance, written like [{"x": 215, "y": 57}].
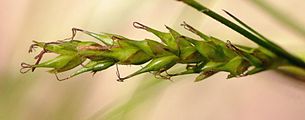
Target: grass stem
[{"x": 268, "y": 45}]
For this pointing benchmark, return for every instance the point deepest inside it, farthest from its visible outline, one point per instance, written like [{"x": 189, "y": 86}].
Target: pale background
[{"x": 38, "y": 95}]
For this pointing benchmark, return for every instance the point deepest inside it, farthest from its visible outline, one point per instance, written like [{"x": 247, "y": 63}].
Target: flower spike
[{"x": 204, "y": 57}]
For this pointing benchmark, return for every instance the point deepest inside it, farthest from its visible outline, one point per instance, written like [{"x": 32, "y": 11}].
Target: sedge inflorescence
[{"x": 205, "y": 57}]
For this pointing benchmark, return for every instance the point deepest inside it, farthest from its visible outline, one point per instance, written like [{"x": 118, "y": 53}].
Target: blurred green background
[{"x": 39, "y": 96}]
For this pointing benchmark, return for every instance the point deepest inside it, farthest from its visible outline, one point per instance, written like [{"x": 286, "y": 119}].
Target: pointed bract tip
[{"x": 139, "y": 25}]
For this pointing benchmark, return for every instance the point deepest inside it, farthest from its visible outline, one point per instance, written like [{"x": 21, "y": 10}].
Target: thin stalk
[
  {"x": 272, "y": 47},
  {"x": 280, "y": 17}
]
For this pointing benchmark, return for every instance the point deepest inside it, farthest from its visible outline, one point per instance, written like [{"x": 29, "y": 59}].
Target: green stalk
[{"x": 268, "y": 45}]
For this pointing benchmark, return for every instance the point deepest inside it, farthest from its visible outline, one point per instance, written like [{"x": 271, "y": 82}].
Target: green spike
[
  {"x": 166, "y": 38},
  {"x": 94, "y": 66},
  {"x": 205, "y": 57},
  {"x": 159, "y": 64},
  {"x": 76, "y": 61},
  {"x": 61, "y": 63},
  {"x": 205, "y": 75},
  {"x": 58, "y": 62},
  {"x": 236, "y": 66}
]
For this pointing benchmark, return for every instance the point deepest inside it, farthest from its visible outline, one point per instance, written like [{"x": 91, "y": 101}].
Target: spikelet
[{"x": 204, "y": 57}]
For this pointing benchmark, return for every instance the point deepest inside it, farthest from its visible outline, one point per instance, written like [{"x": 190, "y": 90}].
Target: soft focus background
[{"x": 39, "y": 96}]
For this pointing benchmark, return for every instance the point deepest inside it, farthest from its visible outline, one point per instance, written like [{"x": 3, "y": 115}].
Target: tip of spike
[{"x": 139, "y": 25}]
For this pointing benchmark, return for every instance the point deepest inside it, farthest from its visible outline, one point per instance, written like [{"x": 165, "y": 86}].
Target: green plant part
[
  {"x": 248, "y": 32},
  {"x": 59, "y": 64},
  {"x": 94, "y": 66},
  {"x": 204, "y": 57}
]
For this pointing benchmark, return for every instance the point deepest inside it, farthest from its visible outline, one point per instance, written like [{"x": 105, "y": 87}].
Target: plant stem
[{"x": 272, "y": 47}]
